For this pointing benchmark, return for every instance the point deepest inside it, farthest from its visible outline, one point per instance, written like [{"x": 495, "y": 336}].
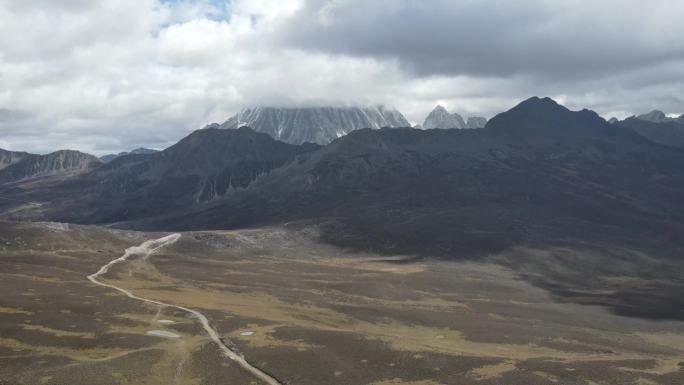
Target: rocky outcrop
[
  {"x": 203, "y": 167},
  {"x": 64, "y": 162},
  {"x": 8, "y": 158},
  {"x": 441, "y": 118},
  {"x": 656, "y": 126},
  {"x": 654, "y": 116},
  {"x": 319, "y": 125}
]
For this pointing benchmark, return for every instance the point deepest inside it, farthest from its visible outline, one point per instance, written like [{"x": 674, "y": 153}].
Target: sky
[{"x": 104, "y": 76}]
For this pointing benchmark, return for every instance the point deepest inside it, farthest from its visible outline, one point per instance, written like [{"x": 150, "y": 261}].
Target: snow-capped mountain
[
  {"x": 319, "y": 125},
  {"x": 441, "y": 118}
]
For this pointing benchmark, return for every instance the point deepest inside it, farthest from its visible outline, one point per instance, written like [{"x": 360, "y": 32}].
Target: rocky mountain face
[
  {"x": 8, "y": 158},
  {"x": 138, "y": 151},
  {"x": 319, "y": 125},
  {"x": 657, "y": 127},
  {"x": 441, "y": 118},
  {"x": 476, "y": 122},
  {"x": 64, "y": 162},
  {"x": 657, "y": 116},
  {"x": 654, "y": 116},
  {"x": 203, "y": 167},
  {"x": 538, "y": 170},
  {"x": 535, "y": 173}
]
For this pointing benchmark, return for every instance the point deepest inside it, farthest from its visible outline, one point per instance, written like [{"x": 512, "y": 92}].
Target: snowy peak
[
  {"x": 319, "y": 125},
  {"x": 441, "y": 118}
]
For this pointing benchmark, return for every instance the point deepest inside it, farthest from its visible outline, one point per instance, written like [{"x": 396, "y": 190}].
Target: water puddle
[{"x": 162, "y": 333}]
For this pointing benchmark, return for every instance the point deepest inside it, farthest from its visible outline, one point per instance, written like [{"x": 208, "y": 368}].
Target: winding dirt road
[{"x": 145, "y": 250}]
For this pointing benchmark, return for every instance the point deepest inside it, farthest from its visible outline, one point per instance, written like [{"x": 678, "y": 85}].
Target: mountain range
[
  {"x": 441, "y": 118},
  {"x": 319, "y": 125},
  {"x": 8, "y": 158},
  {"x": 138, "y": 151},
  {"x": 535, "y": 172},
  {"x": 657, "y": 116},
  {"x": 536, "y": 177},
  {"x": 17, "y": 166},
  {"x": 657, "y": 127},
  {"x": 205, "y": 166}
]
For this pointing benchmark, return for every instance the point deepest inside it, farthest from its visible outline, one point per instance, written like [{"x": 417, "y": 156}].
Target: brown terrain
[{"x": 306, "y": 312}]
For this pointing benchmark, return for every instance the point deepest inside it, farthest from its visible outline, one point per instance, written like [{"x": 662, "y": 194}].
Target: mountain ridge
[
  {"x": 440, "y": 117},
  {"x": 62, "y": 162},
  {"x": 656, "y": 127},
  {"x": 533, "y": 154},
  {"x": 200, "y": 168},
  {"x": 8, "y": 158},
  {"x": 379, "y": 185},
  {"x": 138, "y": 151},
  {"x": 319, "y": 125}
]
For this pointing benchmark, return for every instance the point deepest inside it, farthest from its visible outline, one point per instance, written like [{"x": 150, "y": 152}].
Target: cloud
[
  {"x": 496, "y": 38},
  {"x": 111, "y": 75}
]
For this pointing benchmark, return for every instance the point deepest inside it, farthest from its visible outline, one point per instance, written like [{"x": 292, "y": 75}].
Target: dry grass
[
  {"x": 493, "y": 371},
  {"x": 306, "y": 302},
  {"x": 9, "y": 310},
  {"x": 56, "y": 332}
]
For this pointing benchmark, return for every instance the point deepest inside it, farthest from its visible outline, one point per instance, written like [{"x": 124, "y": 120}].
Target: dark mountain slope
[
  {"x": 668, "y": 132},
  {"x": 202, "y": 167},
  {"x": 138, "y": 151},
  {"x": 8, "y": 158},
  {"x": 535, "y": 173},
  {"x": 542, "y": 120},
  {"x": 65, "y": 162}
]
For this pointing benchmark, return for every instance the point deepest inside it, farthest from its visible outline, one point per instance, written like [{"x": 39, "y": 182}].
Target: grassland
[{"x": 315, "y": 314}]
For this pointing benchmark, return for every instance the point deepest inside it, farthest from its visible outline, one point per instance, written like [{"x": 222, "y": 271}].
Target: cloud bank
[{"x": 111, "y": 75}]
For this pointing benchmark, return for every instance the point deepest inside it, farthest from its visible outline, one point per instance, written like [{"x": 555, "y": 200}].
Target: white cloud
[{"x": 110, "y": 75}]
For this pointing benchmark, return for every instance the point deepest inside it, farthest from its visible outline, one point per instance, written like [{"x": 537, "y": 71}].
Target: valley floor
[{"x": 301, "y": 311}]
